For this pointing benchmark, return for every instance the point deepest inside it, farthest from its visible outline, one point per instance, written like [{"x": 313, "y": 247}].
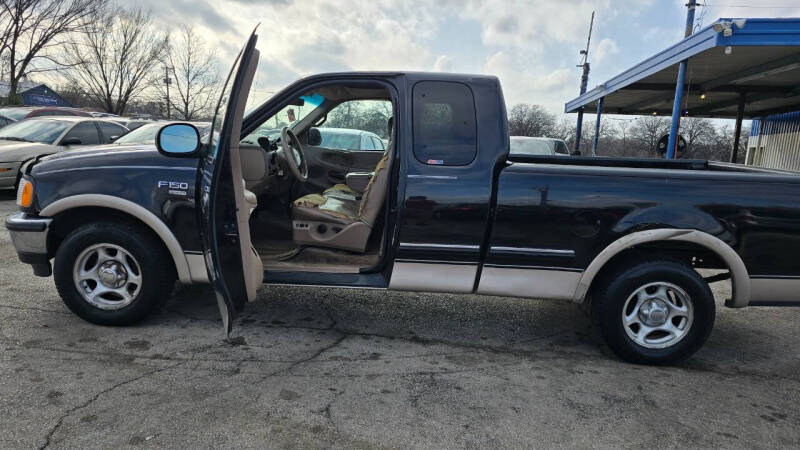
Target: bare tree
[
  {"x": 116, "y": 58},
  {"x": 647, "y": 130},
  {"x": 698, "y": 133},
  {"x": 31, "y": 30},
  {"x": 196, "y": 76},
  {"x": 530, "y": 120}
]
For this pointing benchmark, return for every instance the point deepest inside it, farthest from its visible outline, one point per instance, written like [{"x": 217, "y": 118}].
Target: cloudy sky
[{"x": 531, "y": 45}]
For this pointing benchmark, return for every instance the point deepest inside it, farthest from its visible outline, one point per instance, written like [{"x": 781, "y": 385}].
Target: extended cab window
[{"x": 445, "y": 130}]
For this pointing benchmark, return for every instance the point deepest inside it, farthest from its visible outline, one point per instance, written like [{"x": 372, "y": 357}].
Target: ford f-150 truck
[{"x": 443, "y": 208}]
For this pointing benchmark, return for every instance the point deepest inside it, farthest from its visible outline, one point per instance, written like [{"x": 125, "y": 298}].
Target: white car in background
[
  {"x": 23, "y": 141},
  {"x": 538, "y": 146}
]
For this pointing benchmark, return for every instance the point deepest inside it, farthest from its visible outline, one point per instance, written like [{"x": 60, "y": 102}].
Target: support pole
[
  {"x": 676, "y": 106},
  {"x": 579, "y": 124},
  {"x": 738, "y": 131},
  {"x": 597, "y": 126},
  {"x": 584, "y": 82}
]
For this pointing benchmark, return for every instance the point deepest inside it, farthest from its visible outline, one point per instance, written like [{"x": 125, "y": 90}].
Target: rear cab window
[{"x": 444, "y": 123}]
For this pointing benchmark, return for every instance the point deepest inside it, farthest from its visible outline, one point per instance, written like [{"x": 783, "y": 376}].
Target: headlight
[{"x": 25, "y": 193}]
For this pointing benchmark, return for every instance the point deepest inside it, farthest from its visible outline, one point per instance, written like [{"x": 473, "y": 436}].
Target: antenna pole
[{"x": 584, "y": 82}]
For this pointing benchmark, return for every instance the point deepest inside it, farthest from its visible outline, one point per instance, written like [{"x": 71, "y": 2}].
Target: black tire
[
  {"x": 154, "y": 262},
  {"x": 613, "y": 293}
]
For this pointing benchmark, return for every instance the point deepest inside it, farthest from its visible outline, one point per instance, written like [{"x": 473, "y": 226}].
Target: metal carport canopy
[{"x": 758, "y": 63}]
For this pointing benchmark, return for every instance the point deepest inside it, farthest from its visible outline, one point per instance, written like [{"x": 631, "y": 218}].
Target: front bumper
[{"x": 29, "y": 236}]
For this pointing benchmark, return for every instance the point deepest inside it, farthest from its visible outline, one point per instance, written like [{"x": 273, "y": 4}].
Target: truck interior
[{"x": 316, "y": 175}]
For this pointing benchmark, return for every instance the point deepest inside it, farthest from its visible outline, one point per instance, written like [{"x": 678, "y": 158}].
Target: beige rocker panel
[
  {"x": 150, "y": 219},
  {"x": 740, "y": 280}
]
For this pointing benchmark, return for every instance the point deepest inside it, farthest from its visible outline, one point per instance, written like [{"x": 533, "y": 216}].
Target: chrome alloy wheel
[
  {"x": 658, "y": 315},
  {"x": 107, "y": 276}
]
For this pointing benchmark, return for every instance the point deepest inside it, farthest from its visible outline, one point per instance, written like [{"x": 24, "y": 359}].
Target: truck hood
[
  {"x": 21, "y": 151},
  {"x": 109, "y": 156}
]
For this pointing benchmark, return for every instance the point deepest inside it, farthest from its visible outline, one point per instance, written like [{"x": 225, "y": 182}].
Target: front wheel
[
  {"x": 112, "y": 273},
  {"x": 656, "y": 312}
]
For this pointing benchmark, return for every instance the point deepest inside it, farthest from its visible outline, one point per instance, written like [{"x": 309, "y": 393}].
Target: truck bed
[{"x": 645, "y": 163}]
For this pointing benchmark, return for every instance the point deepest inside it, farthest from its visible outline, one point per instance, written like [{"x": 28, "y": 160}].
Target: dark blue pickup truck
[{"x": 442, "y": 207}]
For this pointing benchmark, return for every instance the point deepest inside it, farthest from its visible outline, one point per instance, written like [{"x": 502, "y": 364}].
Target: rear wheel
[
  {"x": 656, "y": 312},
  {"x": 112, "y": 273}
]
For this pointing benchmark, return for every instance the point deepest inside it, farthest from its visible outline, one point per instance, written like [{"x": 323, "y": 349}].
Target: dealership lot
[{"x": 342, "y": 368}]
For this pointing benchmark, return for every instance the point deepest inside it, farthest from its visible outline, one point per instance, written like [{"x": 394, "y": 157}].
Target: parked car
[
  {"x": 349, "y": 139},
  {"x": 537, "y": 146},
  {"x": 446, "y": 209},
  {"x": 25, "y": 140},
  {"x": 17, "y": 113}
]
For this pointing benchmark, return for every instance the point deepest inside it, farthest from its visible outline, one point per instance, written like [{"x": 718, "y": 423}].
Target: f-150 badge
[{"x": 175, "y": 187}]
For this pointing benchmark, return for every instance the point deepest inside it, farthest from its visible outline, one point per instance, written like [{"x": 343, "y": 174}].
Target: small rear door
[{"x": 233, "y": 268}]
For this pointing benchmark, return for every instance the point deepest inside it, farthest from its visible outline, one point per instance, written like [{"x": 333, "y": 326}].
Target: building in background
[
  {"x": 775, "y": 144},
  {"x": 33, "y": 94}
]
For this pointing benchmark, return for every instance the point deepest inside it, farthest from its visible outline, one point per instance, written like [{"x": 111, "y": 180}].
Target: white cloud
[
  {"x": 443, "y": 63},
  {"x": 605, "y": 49}
]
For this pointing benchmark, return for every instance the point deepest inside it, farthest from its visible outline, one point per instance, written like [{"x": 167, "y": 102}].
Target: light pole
[{"x": 167, "y": 81}]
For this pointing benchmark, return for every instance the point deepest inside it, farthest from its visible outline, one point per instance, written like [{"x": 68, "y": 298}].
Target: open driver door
[{"x": 234, "y": 267}]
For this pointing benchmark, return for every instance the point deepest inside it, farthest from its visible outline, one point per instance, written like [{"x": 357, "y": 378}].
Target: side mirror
[
  {"x": 264, "y": 143},
  {"x": 576, "y": 153},
  {"x": 314, "y": 137},
  {"x": 178, "y": 140},
  {"x": 71, "y": 141}
]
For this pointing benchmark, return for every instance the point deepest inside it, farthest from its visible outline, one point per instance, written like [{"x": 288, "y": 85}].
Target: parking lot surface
[{"x": 346, "y": 368}]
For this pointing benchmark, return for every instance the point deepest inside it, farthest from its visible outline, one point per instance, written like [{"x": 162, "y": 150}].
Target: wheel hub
[
  {"x": 112, "y": 274},
  {"x": 654, "y": 312}
]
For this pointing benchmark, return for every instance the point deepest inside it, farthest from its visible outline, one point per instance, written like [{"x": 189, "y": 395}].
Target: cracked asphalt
[{"x": 343, "y": 368}]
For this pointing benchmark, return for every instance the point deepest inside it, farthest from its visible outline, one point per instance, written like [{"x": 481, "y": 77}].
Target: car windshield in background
[
  {"x": 14, "y": 113},
  {"x": 530, "y": 147},
  {"x": 342, "y": 141},
  {"x": 44, "y": 131},
  {"x": 146, "y": 134}
]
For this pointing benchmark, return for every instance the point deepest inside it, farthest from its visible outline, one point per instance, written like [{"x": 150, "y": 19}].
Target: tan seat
[{"x": 333, "y": 219}]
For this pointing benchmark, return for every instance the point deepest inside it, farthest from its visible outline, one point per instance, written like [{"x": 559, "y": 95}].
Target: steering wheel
[{"x": 292, "y": 152}]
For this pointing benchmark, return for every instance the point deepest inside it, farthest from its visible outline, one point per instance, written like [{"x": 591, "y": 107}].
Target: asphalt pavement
[{"x": 315, "y": 367}]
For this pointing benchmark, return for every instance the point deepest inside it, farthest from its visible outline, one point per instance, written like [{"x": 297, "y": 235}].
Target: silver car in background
[
  {"x": 538, "y": 146},
  {"x": 23, "y": 141}
]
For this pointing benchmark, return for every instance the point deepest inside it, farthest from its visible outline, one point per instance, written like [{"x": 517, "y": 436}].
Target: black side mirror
[
  {"x": 576, "y": 153},
  {"x": 314, "y": 137},
  {"x": 178, "y": 139},
  {"x": 71, "y": 141}
]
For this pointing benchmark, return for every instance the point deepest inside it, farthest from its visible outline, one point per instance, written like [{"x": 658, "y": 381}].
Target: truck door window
[
  {"x": 352, "y": 117},
  {"x": 445, "y": 129}
]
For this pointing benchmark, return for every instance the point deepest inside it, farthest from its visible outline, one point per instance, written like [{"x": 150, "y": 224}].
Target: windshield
[
  {"x": 146, "y": 134},
  {"x": 522, "y": 146},
  {"x": 45, "y": 131},
  {"x": 14, "y": 113},
  {"x": 289, "y": 114}
]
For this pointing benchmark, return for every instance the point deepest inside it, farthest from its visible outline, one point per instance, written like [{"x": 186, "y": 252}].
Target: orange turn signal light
[{"x": 25, "y": 193}]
